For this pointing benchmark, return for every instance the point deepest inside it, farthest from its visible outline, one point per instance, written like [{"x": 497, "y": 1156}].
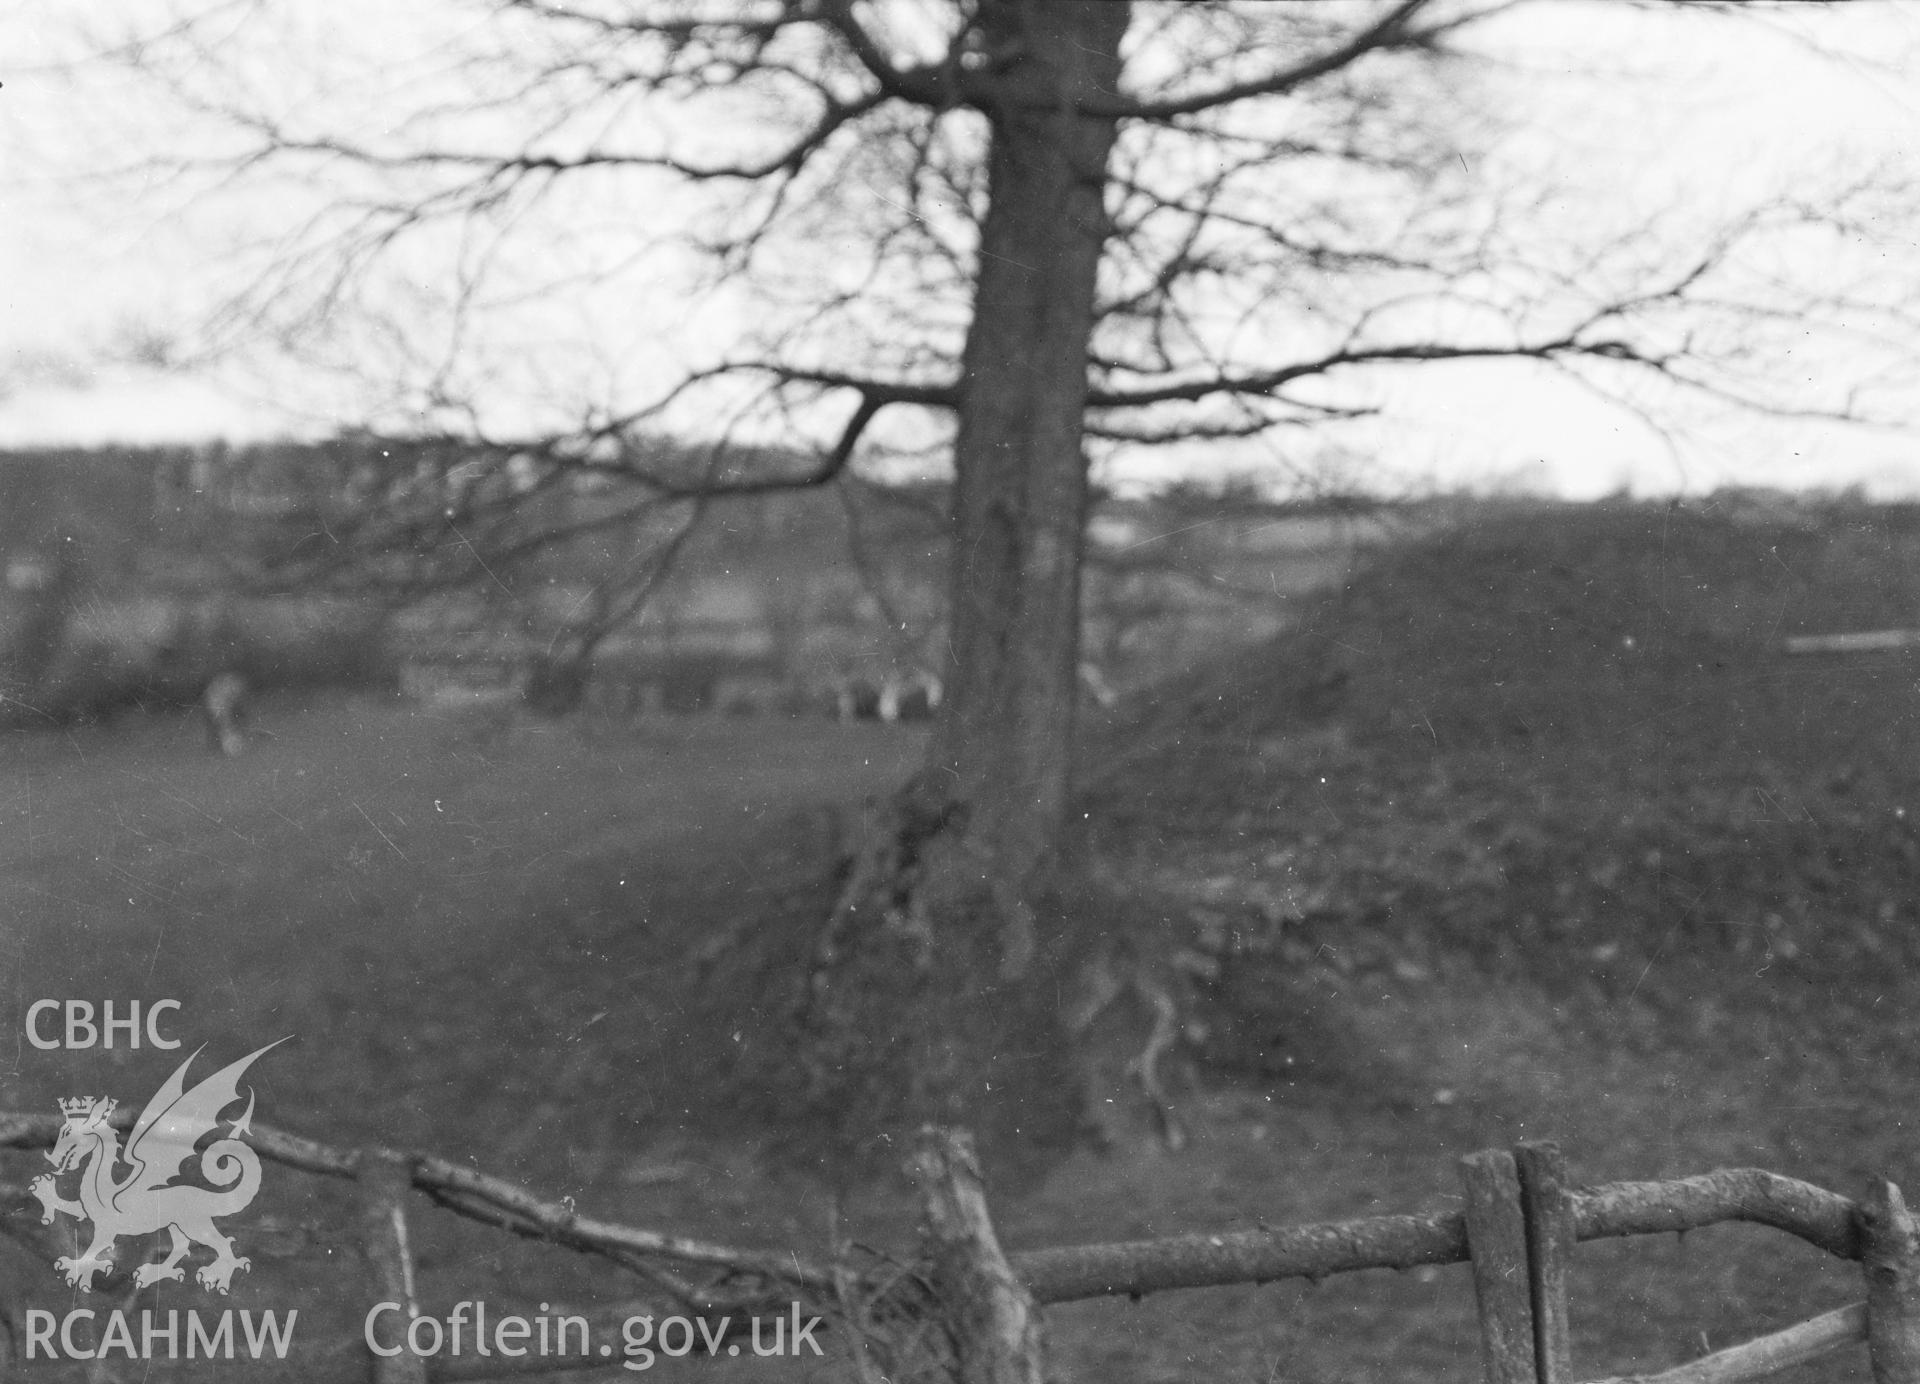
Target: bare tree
[{"x": 1020, "y": 230}]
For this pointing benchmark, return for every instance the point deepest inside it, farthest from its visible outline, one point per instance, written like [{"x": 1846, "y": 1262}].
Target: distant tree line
[{"x": 191, "y": 560}]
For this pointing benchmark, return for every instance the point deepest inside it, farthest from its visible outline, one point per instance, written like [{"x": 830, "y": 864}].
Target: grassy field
[{"x": 1528, "y": 831}]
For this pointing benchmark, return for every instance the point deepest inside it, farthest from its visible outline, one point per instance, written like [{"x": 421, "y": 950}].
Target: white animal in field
[
  {"x": 223, "y": 705},
  {"x": 912, "y": 695},
  {"x": 915, "y": 694}
]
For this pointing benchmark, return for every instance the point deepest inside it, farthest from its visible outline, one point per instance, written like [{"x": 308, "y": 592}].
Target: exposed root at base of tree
[
  {"x": 1160, "y": 988},
  {"x": 931, "y": 993},
  {"x": 882, "y": 872},
  {"x": 870, "y": 992}
]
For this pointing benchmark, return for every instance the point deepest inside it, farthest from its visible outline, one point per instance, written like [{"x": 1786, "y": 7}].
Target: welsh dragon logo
[{"x": 147, "y": 1198}]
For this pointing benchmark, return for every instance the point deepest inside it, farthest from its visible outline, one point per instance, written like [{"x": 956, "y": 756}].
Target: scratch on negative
[{"x": 383, "y": 836}]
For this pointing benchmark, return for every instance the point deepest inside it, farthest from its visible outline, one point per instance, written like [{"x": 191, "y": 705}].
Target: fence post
[
  {"x": 995, "y": 1325},
  {"x": 1497, "y": 1240},
  {"x": 1890, "y": 1258},
  {"x": 1548, "y": 1209},
  {"x": 385, "y": 1178}
]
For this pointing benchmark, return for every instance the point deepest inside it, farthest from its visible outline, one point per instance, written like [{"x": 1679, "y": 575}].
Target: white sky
[{"x": 1641, "y": 112}]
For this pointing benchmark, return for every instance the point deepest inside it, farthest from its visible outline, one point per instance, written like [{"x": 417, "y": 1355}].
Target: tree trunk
[
  {"x": 1003, "y": 742},
  {"x": 924, "y": 1002}
]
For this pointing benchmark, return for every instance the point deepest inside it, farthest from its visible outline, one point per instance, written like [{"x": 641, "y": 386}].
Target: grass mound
[
  {"x": 1533, "y": 829},
  {"x": 1564, "y": 740}
]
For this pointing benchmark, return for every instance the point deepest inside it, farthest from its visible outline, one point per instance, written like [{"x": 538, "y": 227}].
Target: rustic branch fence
[{"x": 974, "y": 1308}]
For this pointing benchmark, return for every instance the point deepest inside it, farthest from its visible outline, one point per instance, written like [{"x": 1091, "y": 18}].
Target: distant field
[
  {"x": 1477, "y": 869},
  {"x": 365, "y": 861}
]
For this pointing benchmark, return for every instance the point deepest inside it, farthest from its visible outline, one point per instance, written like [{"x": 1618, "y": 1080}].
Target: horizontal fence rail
[
  {"x": 1520, "y": 1222},
  {"x": 1126, "y": 1268}
]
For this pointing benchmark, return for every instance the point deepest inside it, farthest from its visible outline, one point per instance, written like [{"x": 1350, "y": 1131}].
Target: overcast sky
[{"x": 1640, "y": 113}]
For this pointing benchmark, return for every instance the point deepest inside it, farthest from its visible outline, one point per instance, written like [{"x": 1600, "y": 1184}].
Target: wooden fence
[{"x": 972, "y": 1311}]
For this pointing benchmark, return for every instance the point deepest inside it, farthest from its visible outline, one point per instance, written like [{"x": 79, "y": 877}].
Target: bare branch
[
  {"x": 1392, "y": 29},
  {"x": 921, "y": 85}
]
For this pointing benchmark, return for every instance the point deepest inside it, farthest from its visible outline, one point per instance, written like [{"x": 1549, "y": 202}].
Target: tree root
[
  {"x": 1146, "y": 1068},
  {"x": 883, "y": 873},
  {"x": 925, "y": 969},
  {"x": 1107, "y": 985}
]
